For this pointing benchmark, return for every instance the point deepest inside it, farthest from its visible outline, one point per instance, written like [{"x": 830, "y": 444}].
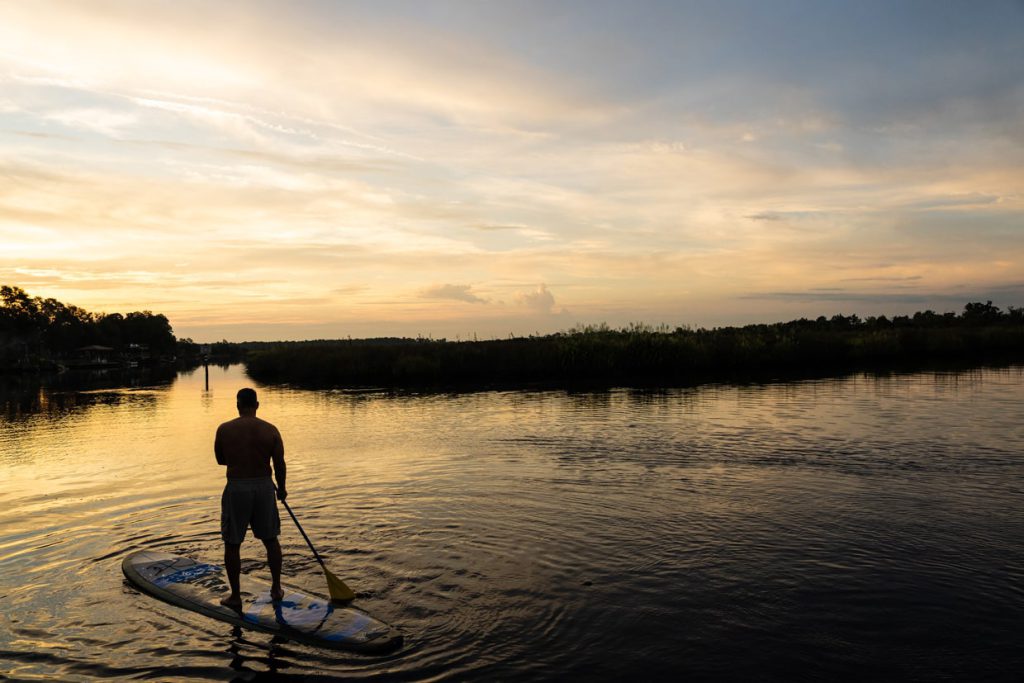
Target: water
[{"x": 864, "y": 527}]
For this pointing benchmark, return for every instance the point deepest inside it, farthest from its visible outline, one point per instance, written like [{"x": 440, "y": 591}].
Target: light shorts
[{"x": 245, "y": 502}]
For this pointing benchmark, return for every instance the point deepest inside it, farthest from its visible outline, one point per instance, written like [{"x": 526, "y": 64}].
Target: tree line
[{"x": 34, "y": 329}]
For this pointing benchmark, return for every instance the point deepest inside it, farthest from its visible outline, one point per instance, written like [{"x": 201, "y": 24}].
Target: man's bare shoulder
[
  {"x": 230, "y": 424},
  {"x": 253, "y": 422},
  {"x": 247, "y": 424},
  {"x": 268, "y": 426}
]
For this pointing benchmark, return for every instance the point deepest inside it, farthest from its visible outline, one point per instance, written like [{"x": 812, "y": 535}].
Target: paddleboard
[{"x": 197, "y": 586}]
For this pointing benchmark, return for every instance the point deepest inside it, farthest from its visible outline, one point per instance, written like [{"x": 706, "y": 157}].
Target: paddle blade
[{"x": 339, "y": 591}]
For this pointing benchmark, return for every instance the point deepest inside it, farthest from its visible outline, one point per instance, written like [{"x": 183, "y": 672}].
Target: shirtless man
[{"x": 247, "y": 445}]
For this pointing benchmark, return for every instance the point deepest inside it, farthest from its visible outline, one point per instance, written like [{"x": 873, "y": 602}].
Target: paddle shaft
[{"x": 303, "y": 532}]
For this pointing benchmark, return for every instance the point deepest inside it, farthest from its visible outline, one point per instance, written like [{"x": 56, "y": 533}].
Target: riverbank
[
  {"x": 40, "y": 335},
  {"x": 642, "y": 356}
]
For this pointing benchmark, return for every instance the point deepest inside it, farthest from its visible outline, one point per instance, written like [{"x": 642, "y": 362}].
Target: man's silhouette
[{"x": 247, "y": 445}]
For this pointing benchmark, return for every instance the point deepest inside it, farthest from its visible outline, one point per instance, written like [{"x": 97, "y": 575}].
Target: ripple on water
[{"x": 770, "y": 532}]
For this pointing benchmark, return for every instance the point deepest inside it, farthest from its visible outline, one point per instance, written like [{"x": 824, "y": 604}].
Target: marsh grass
[{"x": 642, "y": 355}]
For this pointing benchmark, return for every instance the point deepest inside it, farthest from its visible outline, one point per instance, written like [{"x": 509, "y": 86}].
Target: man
[{"x": 247, "y": 445}]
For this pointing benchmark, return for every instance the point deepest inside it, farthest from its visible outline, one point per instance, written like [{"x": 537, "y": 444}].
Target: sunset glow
[{"x": 292, "y": 170}]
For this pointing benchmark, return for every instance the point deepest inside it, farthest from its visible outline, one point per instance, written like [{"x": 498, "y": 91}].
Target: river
[{"x": 869, "y": 527}]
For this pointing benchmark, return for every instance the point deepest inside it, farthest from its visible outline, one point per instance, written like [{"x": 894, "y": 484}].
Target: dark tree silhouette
[{"x": 33, "y": 328}]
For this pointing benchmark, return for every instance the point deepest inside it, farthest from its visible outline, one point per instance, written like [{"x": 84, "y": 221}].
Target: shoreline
[{"x": 645, "y": 360}]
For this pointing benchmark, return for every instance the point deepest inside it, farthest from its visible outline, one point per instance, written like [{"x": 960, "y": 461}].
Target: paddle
[{"x": 339, "y": 591}]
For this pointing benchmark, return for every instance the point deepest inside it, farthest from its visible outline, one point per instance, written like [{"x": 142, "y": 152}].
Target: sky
[{"x": 300, "y": 170}]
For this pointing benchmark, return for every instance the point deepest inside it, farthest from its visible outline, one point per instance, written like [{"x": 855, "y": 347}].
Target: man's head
[{"x": 246, "y": 401}]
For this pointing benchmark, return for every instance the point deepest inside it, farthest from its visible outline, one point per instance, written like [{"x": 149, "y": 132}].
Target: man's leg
[
  {"x": 274, "y": 561},
  {"x": 233, "y": 567}
]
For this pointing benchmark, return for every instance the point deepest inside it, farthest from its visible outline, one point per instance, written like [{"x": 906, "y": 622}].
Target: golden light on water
[{"x": 470, "y": 520}]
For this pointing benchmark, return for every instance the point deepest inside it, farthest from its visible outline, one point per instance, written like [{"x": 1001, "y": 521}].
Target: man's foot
[
  {"x": 232, "y": 601},
  {"x": 276, "y": 594}
]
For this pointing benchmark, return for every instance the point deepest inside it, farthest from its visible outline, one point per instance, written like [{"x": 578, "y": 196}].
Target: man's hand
[{"x": 281, "y": 494}]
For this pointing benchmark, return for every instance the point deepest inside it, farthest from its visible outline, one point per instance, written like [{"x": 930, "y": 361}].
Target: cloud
[
  {"x": 962, "y": 201},
  {"x": 494, "y": 228},
  {"x": 454, "y": 292},
  {"x": 103, "y": 121},
  {"x": 540, "y": 300},
  {"x": 908, "y": 278},
  {"x": 318, "y": 145},
  {"x": 959, "y": 296}
]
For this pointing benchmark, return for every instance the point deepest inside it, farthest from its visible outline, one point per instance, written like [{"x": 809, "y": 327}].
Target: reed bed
[{"x": 642, "y": 355}]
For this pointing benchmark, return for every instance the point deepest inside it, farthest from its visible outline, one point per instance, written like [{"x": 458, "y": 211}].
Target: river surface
[{"x": 865, "y": 527}]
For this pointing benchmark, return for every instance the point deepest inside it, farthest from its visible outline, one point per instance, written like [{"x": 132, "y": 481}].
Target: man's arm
[
  {"x": 280, "y": 470},
  {"x": 218, "y": 449}
]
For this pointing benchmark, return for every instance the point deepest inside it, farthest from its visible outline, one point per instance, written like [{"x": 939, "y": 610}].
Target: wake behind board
[{"x": 196, "y": 586}]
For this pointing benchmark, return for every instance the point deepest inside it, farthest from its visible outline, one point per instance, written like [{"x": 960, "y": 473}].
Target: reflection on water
[
  {"x": 867, "y": 526},
  {"x": 22, "y": 396}
]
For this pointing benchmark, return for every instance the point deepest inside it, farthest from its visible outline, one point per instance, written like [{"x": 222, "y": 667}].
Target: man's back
[{"x": 246, "y": 445}]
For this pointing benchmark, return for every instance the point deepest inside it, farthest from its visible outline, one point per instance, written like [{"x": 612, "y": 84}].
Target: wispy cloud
[
  {"x": 321, "y": 162},
  {"x": 945, "y": 300},
  {"x": 454, "y": 292},
  {"x": 909, "y": 278},
  {"x": 103, "y": 121}
]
